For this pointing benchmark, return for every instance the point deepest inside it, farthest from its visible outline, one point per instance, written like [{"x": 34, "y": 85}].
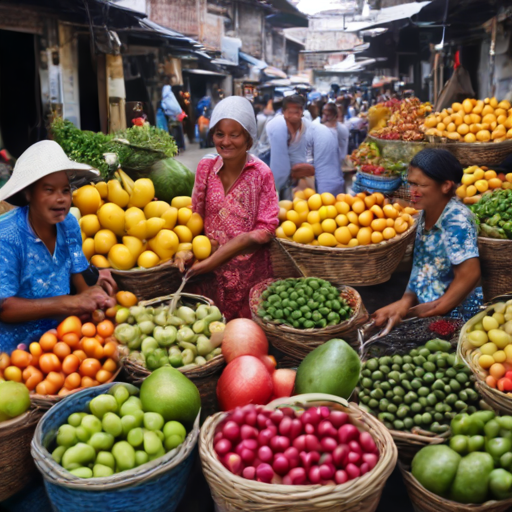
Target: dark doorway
[
  {"x": 88, "y": 86},
  {"x": 21, "y": 120}
]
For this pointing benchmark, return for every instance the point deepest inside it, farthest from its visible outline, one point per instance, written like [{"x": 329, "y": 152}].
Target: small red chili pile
[{"x": 443, "y": 328}]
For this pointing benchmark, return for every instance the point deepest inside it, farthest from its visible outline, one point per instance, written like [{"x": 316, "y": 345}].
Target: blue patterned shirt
[
  {"x": 451, "y": 241},
  {"x": 29, "y": 271}
]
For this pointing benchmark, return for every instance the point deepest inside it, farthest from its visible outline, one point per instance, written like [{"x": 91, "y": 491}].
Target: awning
[
  {"x": 386, "y": 15},
  {"x": 206, "y": 72}
]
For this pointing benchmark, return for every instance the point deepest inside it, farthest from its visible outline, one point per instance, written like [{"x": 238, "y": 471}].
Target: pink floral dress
[{"x": 250, "y": 204}]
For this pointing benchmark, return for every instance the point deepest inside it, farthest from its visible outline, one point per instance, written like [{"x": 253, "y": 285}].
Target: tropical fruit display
[
  {"x": 472, "y": 120},
  {"x": 478, "y": 180},
  {"x": 342, "y": 221},
  {"x": 75, "y": 355},
  {"x": 189, "y": 336},
  {"x": 491, "y": 338},
  {"x": 124, "y": 428},
  {"x": 123, "y": 226}
]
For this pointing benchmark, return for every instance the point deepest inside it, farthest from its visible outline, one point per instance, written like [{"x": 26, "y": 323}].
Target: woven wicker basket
[
  {"x": 149, "y": 283},
  {"x": 16, "y": 464},
  {"x": 236, "y": 494},
  {"x": 426, "y": 501},
  {"x": 44, "y": 402},
  {"x": 156, "y": 485},
  {"x": 479, "y": 153},
  {"x": 408, "y": 443},
  {"x": 298, "y": 343},
  {"x": 364, "y": 265},
  {"x": 204, "y": 377},
  {"x": 498, "y": 400},
  {"x": 283, "y": 265},
  {"x": 495, "y": 256}
]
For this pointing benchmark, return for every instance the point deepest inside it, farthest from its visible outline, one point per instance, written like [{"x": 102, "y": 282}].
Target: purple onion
[
  {"x": 364, "y": 468},
  {"x": 231, "y": 431},
  {"x": 328, "y": 444},
  {"x": 281, "y": 464},
  {"x": 292, "y": 454},
  {"x": 300, "y": 443},
  {"x": 250, "y": 418},
  {"x": 247, "y": 455},
  {"x": 314, "y": 475},
  {"x": 326, "y": 471},
  {"x": 354, "y": 458},
  {"x": 248, "y": 432},
  {"x": 264, "y": 473},
  {"x": 340, "y": 455},
  {"x": 285, "y": 426},
  {"x": 347, "y": 433},
  {"x": 355, "y": 447},
  {"x": 312, "y": 443},
  {"x": 222, "y": 447},
  {"x": 265, "y": 454},
  {"x": 279, "y": 443},
  {"x": 250, "y": 444},
  {"x": 367, "y": 443},
  {"x": 338, "y": 418},
  {"x": 237, "y": 416},
  {"x": 352, "y": 471},
  {"x": 249, "y": 472},
  {"x": 276, "y": 416},
  {"x": 371, "y": 459},
  {"x": 340, "y": 477},
  {"x": 233, "y": 463}
]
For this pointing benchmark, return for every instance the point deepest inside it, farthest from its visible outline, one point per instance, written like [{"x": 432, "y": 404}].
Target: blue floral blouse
[
  {"x": 451, "y": 241},
  {"x": 28, "y": 270}
]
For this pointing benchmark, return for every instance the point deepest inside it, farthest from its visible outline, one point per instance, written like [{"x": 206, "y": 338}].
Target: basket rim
[
  {"x": 47, "y": 466},
  {"x": 396, "y": 141},
  {"x": 137, "y": 271},
  {"x": 388, "y": 458},
  {"x": 491, "y": 241},
  {"x": 23, "y": 420},
  {"x": 378, "y": 177},
  {"x": 292, "y": 330},
  {"x": 371, "y": 248}
]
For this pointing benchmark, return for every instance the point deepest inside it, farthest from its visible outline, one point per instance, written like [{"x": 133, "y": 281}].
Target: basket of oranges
[
  {"x": 72, "y": 357},
  {"x": 356, "y": 241}
]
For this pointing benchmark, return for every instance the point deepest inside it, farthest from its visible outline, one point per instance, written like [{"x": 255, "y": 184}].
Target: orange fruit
[
  {"x": 73, "y": 381},
  {"x": 13, "y": 373},
  {"x": 389, "y": 233},
  {"x": 88, "y": 330},
  {"x": 364, "y": 236},
  {"x": 377, "y": 237},
  {"x": 105, "y": 328},
  {"x": 365, "y": 218},
  {"x": 61, "y": 350},
  {"x": 103, "y": 375},
  {"x": 47, "y": 341},
  {"x": 110, "y": 365},
  {"x": 88, "y": 382},
  {"x": 497, "y": 370},
  {"x": 70, "y": 324},
  {"x": 89, "y": 367},
  {"x": 72, "y": 339},
  {"x": 20, "y": 358},
  {"x": 56, "y": 378},
  {"x": 358, "y": 206},
  {"x": 49, "y": 363},
  {"x": 80, "y": 354},
  {"x": 71, "y": 364},
  {"x": 110, "y": 349}
]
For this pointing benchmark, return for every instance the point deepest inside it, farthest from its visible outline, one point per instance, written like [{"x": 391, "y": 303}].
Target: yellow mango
[
  {"x": 171, "y": 217},
  {"x": 120, "y": 257},
  {"x": 143, "y": 192},
  {"x": 135, "y": 245},
  {"x": 139, "y": 230},
  {"x": 156, "y": 209},
  {"x": 133, "y": 216},
  {"x": 154, "y": 225},
  {"x": 184, "y": 201},
  {"x": 117, "y": 194},
  {"x": 201, "y": 247},
  {"x": 111, "y": 216},
  {"x": 165, "y": 244},
  {"x": 104, "y": 240},
  {"x": 87, "y": 199},
  {"x": 195, "y": 224},
  {"x": 148, "y": 259},
  {"x": 184, "y": 215}
]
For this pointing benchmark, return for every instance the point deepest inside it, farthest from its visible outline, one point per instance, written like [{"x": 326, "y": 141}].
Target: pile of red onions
[{"x": 283, "y": 446}]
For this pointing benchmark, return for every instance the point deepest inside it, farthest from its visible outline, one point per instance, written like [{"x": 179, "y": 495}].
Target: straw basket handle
[
  {"x": 498, "y": 298},
  {"x": 298, "y": 268},
  {"x": 307, "y": 397}
]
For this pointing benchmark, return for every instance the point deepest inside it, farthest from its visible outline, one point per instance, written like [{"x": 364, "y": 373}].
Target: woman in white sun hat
[{"x": 41, "y": 249}]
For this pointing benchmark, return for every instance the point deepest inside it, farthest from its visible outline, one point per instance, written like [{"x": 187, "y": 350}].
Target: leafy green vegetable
[
  {"x": 494, "y": 214},
  {"x": 147, "y": 145}
]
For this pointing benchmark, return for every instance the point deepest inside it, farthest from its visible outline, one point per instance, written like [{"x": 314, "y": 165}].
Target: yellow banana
[{"x": 128, "y": 183}]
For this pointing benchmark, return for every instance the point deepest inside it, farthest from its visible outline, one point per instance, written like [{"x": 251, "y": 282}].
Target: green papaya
[
  {"x": 471, "y": 484},
  {"x": 331, "y": 368}
]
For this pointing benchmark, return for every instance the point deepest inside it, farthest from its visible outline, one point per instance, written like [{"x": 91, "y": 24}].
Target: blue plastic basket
[
  {"x": 372, "y": 183},
  {"x": 156, "y": 486}
]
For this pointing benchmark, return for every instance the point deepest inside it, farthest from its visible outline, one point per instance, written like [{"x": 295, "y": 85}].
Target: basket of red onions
[{"x": 307, "y": 452}]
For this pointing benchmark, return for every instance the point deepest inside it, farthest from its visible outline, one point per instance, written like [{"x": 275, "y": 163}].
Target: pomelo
[
  {"x": 168, "y": 392},
  {"x": 14, "y": 399}
]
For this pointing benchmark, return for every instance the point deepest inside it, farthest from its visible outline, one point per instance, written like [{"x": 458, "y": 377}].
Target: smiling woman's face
[
  {"x": 230, "y": 139},
  {"x": 50, "y": 197}
]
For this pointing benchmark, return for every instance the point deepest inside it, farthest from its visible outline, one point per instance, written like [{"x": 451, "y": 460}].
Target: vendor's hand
[
  {"x": 393, "y": 313},
  {"x": 107, "y": 282},
  {"x": 215, "y": 245},
  {"x": 302, "y": 170},
  {"x": 91, "y": 299},
  {"x": 182, "y": 259},
  {"x": 198, "y": 268}
]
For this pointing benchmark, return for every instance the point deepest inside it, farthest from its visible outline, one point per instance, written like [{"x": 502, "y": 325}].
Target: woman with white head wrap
[{"x": 235, "y": 194}]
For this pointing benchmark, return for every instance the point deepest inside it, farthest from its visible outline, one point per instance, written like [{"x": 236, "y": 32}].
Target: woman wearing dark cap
[{"x": 446, "y": 268}]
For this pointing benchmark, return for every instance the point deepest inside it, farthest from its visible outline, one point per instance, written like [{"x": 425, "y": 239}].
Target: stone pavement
[{"x": 191, "y": 156}]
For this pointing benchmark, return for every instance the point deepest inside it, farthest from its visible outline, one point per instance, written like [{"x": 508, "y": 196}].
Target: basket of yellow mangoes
[
  {"x": 474, "y": 131},
  {"x": 349, "y": 240},
  {"x": 138, "y": 238}
]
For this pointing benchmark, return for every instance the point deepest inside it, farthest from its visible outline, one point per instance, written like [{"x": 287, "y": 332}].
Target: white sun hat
[{"x": 39, "y": 160}]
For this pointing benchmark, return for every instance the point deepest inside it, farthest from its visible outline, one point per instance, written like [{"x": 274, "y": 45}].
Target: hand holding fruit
[
  {"x": 91, "y": 299},
  {"x": 107, "y": 282}
]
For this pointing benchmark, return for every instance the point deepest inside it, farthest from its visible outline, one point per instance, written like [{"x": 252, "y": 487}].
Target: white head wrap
[{"x": 238, "y": 109}]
